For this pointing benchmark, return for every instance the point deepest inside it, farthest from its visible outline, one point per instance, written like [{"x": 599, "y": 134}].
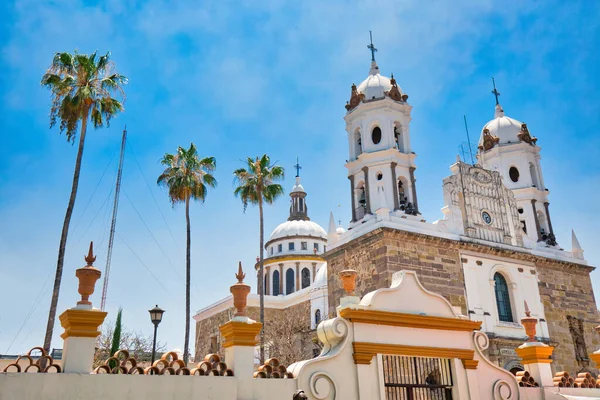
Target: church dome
[
  {"x": 321, "y": 277},
  {"x": 298, "y": 228},
  {"x": 375, "y": 86},
  {"x": 506, "y": 129}
]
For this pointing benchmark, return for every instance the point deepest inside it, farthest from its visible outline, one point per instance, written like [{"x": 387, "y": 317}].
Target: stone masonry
[
  {"x": 209, "y": 339},
  {"x": 565, "y": 287}
]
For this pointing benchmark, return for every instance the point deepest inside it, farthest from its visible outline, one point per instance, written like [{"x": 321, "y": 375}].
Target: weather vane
[
  {"x": 298, "y": 168},
  {"x": 495, "y": 92},
  {"x": 372, "y": 47}
]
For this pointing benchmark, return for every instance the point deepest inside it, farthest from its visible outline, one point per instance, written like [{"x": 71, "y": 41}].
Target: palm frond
[
  {"x": 186, "y": 175},
  {"x": 83, "y": 86}
]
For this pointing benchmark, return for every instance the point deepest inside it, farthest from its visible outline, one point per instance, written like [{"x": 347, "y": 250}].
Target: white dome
[
  {"x": 321, "y": 277},
  {"x": 340, "y": 230},
  {"x": 298, "y": 228},
  {"x": 505, "y": 128},
  {"x": 298, "y": 186},
  {"x": 375, "y": 85}
]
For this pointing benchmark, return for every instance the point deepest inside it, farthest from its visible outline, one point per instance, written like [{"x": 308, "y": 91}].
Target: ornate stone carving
[
  {"x": 355, "y": 98},
  {"x": 481, "y": 204},
  {"x": 394, "y": 92},
  {"x": 576, "y": 329},
  {"x": 525, "y": 136},
  {"x": 481, "y": 176},
  {"x": 489, "y": 141}
]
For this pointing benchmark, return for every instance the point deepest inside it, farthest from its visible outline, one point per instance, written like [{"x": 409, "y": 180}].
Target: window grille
[{"x": 502, "y": 298}]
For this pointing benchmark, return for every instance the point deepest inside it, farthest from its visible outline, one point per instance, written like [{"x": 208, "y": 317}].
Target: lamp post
[{"x": 156, "y": 315}]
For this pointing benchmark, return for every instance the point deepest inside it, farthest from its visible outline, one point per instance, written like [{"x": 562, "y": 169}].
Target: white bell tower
[
  {"x": 381, "y": 163},
  {"x": 507, "y": 146}
]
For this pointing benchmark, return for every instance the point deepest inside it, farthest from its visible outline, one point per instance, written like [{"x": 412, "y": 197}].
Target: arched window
[
  {"x": 398, "y": 138},
  {"x": 276, "y": 283},
  {"x": 266, "y": 285},
  {"x": 533, "y": 174},
  {"x": 289, "y": 281},
  {"x": 305, "y": 278},
  {"x": 358, "y": 143},
  {"x": 317, "y": 317},
  {"x": 543, "y": 223},
  {"x": 502, "y": 298}
]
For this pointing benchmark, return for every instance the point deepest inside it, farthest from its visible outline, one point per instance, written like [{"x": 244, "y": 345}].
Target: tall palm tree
[
  {"x": 82, "y": 88},
  {"x": 256, "y": 185},
  {"x": 187, "y": 177}
]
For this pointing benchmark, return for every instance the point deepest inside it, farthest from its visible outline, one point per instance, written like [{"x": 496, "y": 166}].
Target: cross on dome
[
  {"x": 495, "y": 91},
  {"x": 298, "y": 168},
  {"x": 372, "y": 47}
]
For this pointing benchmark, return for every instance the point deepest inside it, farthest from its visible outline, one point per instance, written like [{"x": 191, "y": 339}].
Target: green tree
[
  {"x": 187, "y": 177},
  {"x": 256, "y": 185},
  {"x": 83, "y": 88},
  {"x": 116, "y": 340}
]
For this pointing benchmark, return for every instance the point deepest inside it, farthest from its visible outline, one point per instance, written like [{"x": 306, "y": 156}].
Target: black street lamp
[{"x": 156, "y": 315}]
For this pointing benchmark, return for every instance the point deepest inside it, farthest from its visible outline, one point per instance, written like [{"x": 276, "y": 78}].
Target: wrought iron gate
[{"x": 417, "y": 378}]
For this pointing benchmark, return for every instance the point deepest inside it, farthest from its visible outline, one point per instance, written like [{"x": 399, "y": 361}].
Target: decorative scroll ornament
[
  {"x": 525, "y": 136},
  {"x": 322, "y": 386},
  {"x": 502, "y": 390},
  {"x": 331, "y": 332},
  {"x": 394, "y": 92},
  {"x": 355, "y": 98},
  {"x": 489, "y": 140},
  {"x": 272, "y": 369},
  {"x": 19, "y": 366}
]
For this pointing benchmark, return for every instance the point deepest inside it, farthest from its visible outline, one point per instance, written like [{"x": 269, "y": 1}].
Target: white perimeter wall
[{"x": 134, "y": 387}]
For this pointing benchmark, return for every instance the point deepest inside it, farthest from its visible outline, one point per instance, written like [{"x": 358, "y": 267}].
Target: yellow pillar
[
  {"x": 81, "y": 322},
  {"x": 240, "y": 335}
]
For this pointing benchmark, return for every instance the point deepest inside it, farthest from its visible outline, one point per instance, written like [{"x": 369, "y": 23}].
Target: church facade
[{"x": 493, "y": 256}]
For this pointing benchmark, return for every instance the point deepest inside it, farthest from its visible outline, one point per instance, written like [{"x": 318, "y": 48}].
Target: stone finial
[
  {"x": 529, "y": 323},
  {"x": 240, "y": 293},
  {"x": 90, "y": 258},
  {"x": 348, "y": 277},
  {"x": 87, "y": 276},
  {"x": 240, "y": 274}
]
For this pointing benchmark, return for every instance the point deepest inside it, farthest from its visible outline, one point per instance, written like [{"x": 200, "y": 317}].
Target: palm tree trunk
[
  {"x": 261, "y": 281},
  {"x": 63, "y": 237},
  {"x": 187, "y": 283}
]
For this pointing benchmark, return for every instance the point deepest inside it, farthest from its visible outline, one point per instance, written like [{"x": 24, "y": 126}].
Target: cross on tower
[
  {"x": 298, "y": 168},
  {"x": 495, "y": 92},
  {"x": 372, "y": 47}
]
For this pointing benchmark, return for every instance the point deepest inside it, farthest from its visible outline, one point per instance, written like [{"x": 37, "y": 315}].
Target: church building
[{"x": 493, "y": 255}]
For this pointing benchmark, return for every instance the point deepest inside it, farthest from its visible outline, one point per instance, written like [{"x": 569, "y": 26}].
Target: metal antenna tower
[
  {"x": 469, "y": 141},
  {"x": 114, "y": 220}
]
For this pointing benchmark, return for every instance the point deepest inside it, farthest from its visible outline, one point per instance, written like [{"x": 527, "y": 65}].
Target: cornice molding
[{"x": 409, "y": 320}]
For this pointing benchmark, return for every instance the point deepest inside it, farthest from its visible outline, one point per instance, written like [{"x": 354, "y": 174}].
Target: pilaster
[{"x": 395, "y": 185}]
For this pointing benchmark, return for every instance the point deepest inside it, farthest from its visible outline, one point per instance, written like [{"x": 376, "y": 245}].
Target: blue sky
[{"x": 246, "y": 78}]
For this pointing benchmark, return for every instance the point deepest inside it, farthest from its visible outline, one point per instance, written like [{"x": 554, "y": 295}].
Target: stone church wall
[
  {"x": 378, "y": 254},
  {"x": 565, "y": 288},
  {"x": 571, "y": 313},
  {"x": 209, "y": 339}
]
